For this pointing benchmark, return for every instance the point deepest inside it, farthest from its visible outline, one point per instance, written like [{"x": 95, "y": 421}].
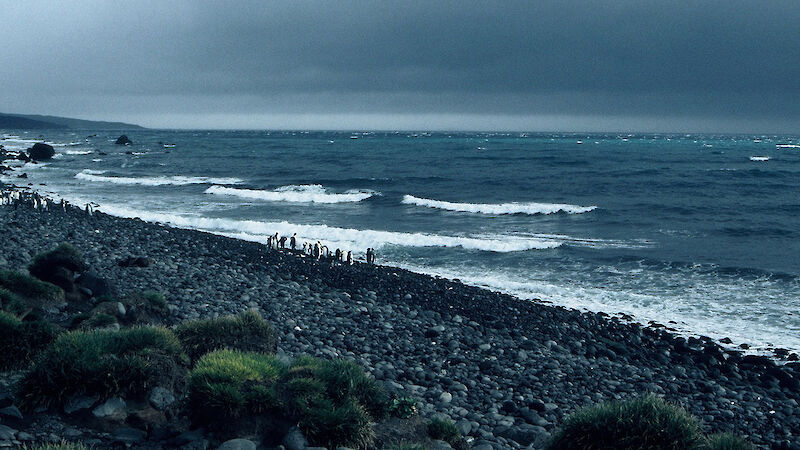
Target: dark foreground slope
[{"x": 505, "y": 370}]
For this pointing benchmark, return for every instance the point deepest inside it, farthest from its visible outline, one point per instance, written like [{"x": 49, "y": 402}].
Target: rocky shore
[{"x": 505, "y": 371}]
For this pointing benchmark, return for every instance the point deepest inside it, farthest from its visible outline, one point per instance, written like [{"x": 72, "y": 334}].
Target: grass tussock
[
  {"x": 45, "y": 265},
  {"x": 444, "y": 430},
  {"x": 35, "y": 291},
  {"x": 227, "y": 384},
  {"x": 727, "y": 441},
  {"x": 247, "y": 332},
  {"x": 334, "y": 401},
  {"x": 21, "y": 341},
  {"x": 12, "y": 303},
  {"x": 646, "y": 422},
  {"x": 104, "y": 363}
]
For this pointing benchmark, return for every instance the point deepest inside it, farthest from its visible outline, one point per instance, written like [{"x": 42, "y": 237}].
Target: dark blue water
[{"x": 683, "y": 228}]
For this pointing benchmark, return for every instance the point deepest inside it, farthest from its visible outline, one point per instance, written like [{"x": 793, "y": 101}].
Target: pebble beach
[{"x": 506, "y": 371}]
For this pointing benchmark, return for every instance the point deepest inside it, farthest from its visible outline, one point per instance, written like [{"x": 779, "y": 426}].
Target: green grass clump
[
  {"x": 646, "y": 422},
  {"x": 403, "y": 407},
  {"x": 11, "y": 302},
  {"x": 227, "y": 384},
  {"x": 727, "y": 441},
  {"x": 21, "y": 341},
  {"x": 247, "y": 332},
  {"x": 334, "y": 401},
  {"x": 444, "y": 430},
  {"x": 29, "y": 288},
  {"x": 105, "y": 363},
  {"x": 65, "y": 255}
]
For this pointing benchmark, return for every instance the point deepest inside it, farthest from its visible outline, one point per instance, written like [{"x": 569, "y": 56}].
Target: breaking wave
[
  {"x": 501, "y": 208},
  {"x": 306, "y": 193},
  {"x": 333, "y": 237},
  {"x": 88, "y": 175}
]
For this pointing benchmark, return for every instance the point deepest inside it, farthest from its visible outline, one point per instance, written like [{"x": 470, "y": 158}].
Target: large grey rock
[
  {"x": 161, "y": 398},
  {"x": 294, "y": 440},
  {"x": 79, "y": 402},
  {"x": 113, "y": 408},
  {"x": 238, "y": 444}
]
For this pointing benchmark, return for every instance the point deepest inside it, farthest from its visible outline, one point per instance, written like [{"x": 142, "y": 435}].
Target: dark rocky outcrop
[
  {"x": 123, "y": 140},
  {"x": 41, "y": 152}
]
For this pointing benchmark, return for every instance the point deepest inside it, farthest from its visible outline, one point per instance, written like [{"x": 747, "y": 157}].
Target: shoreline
[{"x": 506, "y": 363}]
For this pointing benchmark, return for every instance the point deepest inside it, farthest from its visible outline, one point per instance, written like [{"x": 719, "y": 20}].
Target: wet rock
[
  {"x": 7, "y": 433},
  {"x": 123, "y": 140},
  {"x": 41, "y": 152}
]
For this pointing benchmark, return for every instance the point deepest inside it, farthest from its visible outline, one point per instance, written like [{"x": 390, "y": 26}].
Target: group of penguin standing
[{"x": 316, "y": 250}]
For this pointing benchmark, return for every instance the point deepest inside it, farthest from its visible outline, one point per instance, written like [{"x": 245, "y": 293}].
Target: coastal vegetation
[
  {"x": 105, "y": 363},
  {"x": 246, "y": 332},
  {"x": 645, "y": 422}
]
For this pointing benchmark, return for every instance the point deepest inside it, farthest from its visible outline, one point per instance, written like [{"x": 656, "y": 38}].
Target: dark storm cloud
[{"x": 703, "y": 61}]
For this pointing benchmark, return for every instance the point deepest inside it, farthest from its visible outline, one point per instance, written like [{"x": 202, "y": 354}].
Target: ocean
[{"x": 697, "y": 232}]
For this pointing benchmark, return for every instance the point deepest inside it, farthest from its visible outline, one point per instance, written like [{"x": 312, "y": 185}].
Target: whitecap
[
  {"x": 499, "y": 208},
  {"x": 87, "y": 175},
  {"x": 78, "y": 152},
  {"x": 306, "y": 193},
  {"x": 759, "y": 158},
  {"x": 333, "y": 237}
]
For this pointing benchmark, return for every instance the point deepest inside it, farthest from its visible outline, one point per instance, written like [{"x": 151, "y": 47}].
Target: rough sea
[{"x": 700, "y": 233}]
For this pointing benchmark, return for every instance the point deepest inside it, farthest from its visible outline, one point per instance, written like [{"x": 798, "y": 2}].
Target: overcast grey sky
[{"x": 617, "y": 65}]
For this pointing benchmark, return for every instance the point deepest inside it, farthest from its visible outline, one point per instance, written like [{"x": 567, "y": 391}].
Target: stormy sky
[{"x": 567, "y": 65}]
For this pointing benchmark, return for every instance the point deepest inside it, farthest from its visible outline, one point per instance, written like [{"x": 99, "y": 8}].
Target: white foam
[
  {"x": 710, "y": 306},
  {"x": 334, "y": 237},
  {"x": 78, "y": 152},
  {"x": 787, "y": 145},
  {"x": 759, "y": 158},
  {"x": 501, "y": 208},
  {"x": 307, "y": 193},
  {"x": 87, "y": 175}
]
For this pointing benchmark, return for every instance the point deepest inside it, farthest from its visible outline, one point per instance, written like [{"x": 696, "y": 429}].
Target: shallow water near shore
[{"x": 686, "y": 230}]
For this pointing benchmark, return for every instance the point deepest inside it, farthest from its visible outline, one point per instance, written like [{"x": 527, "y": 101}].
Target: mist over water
[{"x": 697, "y": 232}]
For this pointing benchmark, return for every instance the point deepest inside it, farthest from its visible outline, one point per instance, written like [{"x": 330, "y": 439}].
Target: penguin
[
  {"x": 349, "y": 259},
  {"x": 293, "y": 241}
]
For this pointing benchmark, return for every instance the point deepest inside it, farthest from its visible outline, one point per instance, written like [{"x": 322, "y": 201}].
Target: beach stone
[
  {"x": 98, "y": 285},
  {"x": 446, "y": 397},
  {"x": 161, "y": 398},
  {"x": 238, "y": 444},
  {"x": 113, "y": 408},
  {"x": 41, "y": 152},
  {"x": 79, "y": 402},
  {"x": 294, "y": 440},
  {"x": 123, "y": 140}
]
